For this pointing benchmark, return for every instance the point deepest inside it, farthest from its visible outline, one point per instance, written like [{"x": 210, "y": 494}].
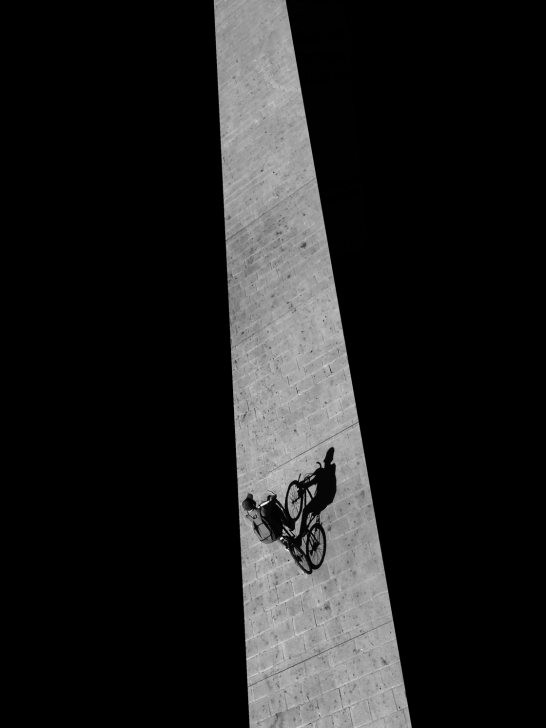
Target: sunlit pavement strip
[{"x": 321, "y": 648}]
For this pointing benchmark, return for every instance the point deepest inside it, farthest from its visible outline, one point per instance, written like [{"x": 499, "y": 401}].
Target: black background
[
  {"x": 141, "y": 591},
  {"x": 389, "y": 186}
]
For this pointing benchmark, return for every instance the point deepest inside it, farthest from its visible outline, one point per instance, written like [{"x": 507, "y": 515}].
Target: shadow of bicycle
[{"x": 310, "y": 497}]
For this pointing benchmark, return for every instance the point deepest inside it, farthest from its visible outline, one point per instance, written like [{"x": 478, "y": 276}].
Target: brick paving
[{"x": 321, "y": 648}]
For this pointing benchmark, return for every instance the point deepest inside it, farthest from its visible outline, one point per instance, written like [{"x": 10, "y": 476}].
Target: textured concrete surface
[{"x": 321, "y": 649}]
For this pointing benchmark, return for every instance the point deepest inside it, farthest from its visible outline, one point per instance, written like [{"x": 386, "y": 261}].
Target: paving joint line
[
  {"x": 305, "y": 451},
  {"x": 308, "y": 450},
  {"x": 284, "y": 199},
  {"x": 250, "y": 685}
]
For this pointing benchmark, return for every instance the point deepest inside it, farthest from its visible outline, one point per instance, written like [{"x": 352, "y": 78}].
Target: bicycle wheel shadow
[{"x": 325, "y": 494}]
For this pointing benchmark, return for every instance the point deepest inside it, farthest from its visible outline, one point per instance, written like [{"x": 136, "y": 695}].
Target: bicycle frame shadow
[{"x": 324, "y": 482}]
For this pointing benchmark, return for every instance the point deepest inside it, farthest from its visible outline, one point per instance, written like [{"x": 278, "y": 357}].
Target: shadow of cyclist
[{"x": 325, "y": 478}]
